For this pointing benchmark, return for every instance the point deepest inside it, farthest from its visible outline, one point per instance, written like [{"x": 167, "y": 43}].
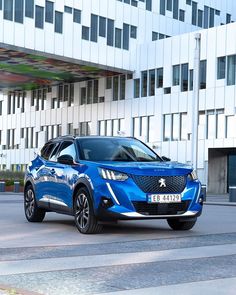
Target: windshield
[{"x": 115, "y": 149}]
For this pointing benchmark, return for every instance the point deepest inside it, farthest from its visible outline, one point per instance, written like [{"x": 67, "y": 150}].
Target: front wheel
[
  {"x": 85, "y": 219},
  {"x": 32, "y": 212},
  {"x": 177, "y": 224}
]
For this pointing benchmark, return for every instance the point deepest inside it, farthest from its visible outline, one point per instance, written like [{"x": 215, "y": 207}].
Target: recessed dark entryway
[{"x": 221, "y": 170}]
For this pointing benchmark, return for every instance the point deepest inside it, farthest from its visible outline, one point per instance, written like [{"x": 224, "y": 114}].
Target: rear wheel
[
  {"x": 177, "y": 224},
  {"x": 32, "y": 212},
  {"x": 85, "y": 219}
]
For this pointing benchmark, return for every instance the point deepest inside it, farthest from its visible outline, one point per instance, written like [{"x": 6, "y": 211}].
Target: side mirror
[
  {"x": 165, "y": 159},
  {"x": 65, "y": 159}
]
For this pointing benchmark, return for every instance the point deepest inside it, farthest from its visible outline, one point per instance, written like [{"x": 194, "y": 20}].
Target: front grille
[
  {"x": 152, "y": 184},
  {"x": 161, "y": 209}
]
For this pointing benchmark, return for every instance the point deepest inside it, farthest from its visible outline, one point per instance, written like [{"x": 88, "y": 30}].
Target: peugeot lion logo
[{"x": 162, "y": 182}]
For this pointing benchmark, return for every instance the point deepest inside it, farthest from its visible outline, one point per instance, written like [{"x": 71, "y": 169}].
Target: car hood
[{"x": 147, "y": 168}]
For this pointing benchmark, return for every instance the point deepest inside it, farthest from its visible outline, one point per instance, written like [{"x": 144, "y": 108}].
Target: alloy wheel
[{"x": 82, "y": 210}]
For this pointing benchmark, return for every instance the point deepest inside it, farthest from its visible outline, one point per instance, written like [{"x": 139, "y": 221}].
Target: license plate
[{"x": 165, "y": 198}]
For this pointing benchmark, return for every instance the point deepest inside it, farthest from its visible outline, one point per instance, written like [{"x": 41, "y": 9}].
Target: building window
[
  {"x": 183, "y": 126},
  {"x": 212, "y": 18},
  {"x": 29, "y": 8},
  {"x": 118, "y": 34},
  {"x": 176, "y": 75},
  {"x": 154, "y": 36},
  {"x": 200, "y": 18},
  {"x": 58, "y": 22},
  {"x": 126, "y": 36},
  {"x": 19, "y": 7},
  {"x": 136, "y": 88},
  {"x": 231, "y": 68},
  {"x": 175, "y": 127},
  {"x": 49, "y": 10},
  {"x": 83, "y": 95},
  {"x": 191, "y": 80},
  {"x": 149, "y": 5},
  {"x": 206, "y": 17},
  {"x": 68, "y": 9},
  {"x": 221, "y": 65},
  {"x": 122, "y": 87},
  {"x": 108, "y": 83},
  {"x": 160, "y": 78},
  {"x": 95, "y": 91},
  {"x": 169, "y": 5},
  {"x": 115, "y": 88},
  {"x": 77, "y": 16},
  {"x": 184, "y": 77},
  {"x": 144, "y": 84},
  {"x": 39, "y": 17},
  {"x": 89, "y": 92},
  {"x": 203, "y": 69},
  {"x": 8, "y": 10},
  {"x": 230, "y": 126},
  {"x": 176, "y": 9},
  {"x": 211, "y": 125},
  {"x": 220, "y": 124},
  {"x": 151, "y": 91},
  {"x": 85, "y": 33},
  {"x": 167, "y": 90},
  {"x": 163, "y": 7},
  {"x": 110, "y": 32},
  {"x": 134, "y": 3},
  {"x": 194, "y": 13},
  {"x": 228, "y": 18},
  {"x": 167, "y": 128},
  {"x": 94, "y": 28},
  {"x": 133, "y": 32},
  {"x": 102, "y": 26},
  {"x": 181, "y": 15}
]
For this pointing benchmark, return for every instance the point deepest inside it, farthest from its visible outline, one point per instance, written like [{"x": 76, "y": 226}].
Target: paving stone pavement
[{"x": 145, "y": 258}]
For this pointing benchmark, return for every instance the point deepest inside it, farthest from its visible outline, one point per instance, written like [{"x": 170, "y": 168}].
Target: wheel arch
[{"x": 80, "y": 184}]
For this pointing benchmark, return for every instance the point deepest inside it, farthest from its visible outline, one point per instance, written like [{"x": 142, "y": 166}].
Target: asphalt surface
[{"x": 134, "y": 257}]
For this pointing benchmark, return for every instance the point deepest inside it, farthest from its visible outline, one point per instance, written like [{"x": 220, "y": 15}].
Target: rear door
[
  {"x": 45, "y": 178},
  {"x": 65, "y": 177}
]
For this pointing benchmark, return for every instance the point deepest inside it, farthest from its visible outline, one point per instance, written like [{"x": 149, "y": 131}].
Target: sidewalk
[{"x": 221, "y": 199}]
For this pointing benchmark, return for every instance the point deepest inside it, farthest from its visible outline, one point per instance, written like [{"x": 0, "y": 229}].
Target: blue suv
[{"x": 99, "y": 179}]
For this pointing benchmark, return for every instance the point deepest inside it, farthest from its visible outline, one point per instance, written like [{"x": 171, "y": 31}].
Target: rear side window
[{"x": 47, "y": 150}]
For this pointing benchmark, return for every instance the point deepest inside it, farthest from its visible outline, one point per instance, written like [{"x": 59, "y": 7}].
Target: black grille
[
  {"x": 161, "y": 209},
  {"x": 152, "y": 184}
]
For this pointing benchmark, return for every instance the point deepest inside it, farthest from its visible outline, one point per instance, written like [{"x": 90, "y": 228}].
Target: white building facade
[{"x": 109, "y": 67}]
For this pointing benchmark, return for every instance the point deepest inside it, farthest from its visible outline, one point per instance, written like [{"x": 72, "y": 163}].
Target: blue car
[{"x": 97, "y": 179}]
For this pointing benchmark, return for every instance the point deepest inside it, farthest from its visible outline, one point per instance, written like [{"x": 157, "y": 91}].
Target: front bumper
[{"x": 124, "y": 198}]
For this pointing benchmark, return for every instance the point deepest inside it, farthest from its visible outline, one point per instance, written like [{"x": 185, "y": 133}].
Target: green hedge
[{"x": 10, "y": 176}]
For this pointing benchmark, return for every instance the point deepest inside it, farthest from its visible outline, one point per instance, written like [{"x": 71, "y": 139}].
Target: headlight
[
  {"x": 193, "y": 175},
  {"x": 112, "y": 175}
]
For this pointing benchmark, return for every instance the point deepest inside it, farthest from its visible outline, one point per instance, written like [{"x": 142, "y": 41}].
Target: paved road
[{"x": 141, "y": 257}]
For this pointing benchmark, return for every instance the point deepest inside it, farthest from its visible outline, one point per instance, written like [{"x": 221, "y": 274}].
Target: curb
[
  {"x": 8, "y": 290},
  {"x": 229, "y": 204}
]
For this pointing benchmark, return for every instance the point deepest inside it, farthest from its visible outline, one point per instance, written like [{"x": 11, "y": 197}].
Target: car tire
[
  {"x": 85, "y": 219},
  {"x": 32, "y": 212},
  {"x": 177, "y": 224}
]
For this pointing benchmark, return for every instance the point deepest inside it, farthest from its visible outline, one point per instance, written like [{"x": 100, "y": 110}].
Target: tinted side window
[
  {"x": 53, "y": 155},
  {"x": 47, "y": 150},
  {"x": 67, "y": 148}
]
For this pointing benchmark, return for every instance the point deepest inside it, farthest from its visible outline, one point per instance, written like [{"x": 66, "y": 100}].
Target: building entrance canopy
[{"x": 20, "y": 70}]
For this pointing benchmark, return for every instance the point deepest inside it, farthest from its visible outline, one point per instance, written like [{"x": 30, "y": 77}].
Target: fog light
[{"x": 106, "y": 202}]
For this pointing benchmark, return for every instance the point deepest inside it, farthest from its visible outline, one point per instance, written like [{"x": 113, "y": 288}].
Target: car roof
[{"x": 71, "y": 137}]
